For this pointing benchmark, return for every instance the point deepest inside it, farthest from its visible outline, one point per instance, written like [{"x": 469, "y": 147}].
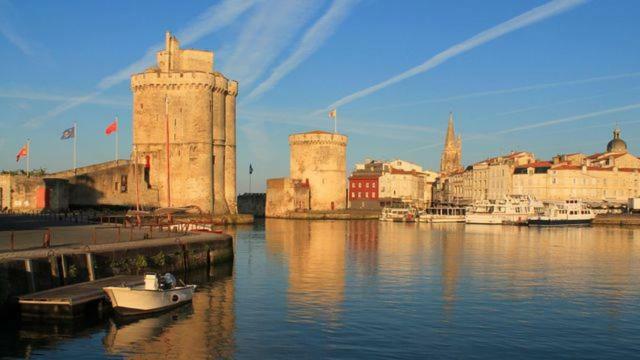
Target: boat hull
[
  {"x": 564, "y": 222},
  {"x": 134, "y": 301}
]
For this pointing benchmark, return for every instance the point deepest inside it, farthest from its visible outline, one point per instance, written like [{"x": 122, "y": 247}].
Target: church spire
[
  {"x": 452, "y": 152},
  {"x": 450, "y": 139}
]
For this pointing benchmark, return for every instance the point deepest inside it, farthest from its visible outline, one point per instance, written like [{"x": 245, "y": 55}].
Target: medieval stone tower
[
  {"x": 450, "y": 160},
  {"x": 184, "y": 129},
  {"x": 319, "y": 159}
]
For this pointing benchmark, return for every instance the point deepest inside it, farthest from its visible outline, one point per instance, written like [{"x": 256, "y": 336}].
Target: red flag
[
  {"x": 113, "y": 127},
  {"x": 22, "y": 153}
]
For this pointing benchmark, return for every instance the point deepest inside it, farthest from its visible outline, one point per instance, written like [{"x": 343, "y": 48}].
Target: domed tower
[
  {"x": 319, "y": 158},
  {"x": 183, "y": 114},
  {"x": 616, "y": 144}
]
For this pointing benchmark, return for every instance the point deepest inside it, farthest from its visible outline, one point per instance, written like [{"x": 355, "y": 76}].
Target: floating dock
[{"x": 72, "y": 300}]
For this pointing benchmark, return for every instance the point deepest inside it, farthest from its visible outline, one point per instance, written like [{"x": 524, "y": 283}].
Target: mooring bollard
[
  {"x": 90, "y": 268},
  {"x": 46, "y": 240},
  {"x": 13, "y": 240}
]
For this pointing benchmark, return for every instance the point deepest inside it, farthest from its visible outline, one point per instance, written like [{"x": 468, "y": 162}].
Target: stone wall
[
  {"x": 21, "y": 193},
  {"x": 285, "y": 196}
]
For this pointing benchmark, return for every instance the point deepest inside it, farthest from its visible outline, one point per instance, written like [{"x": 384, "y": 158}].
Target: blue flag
[{"x": 68, "y": 134}]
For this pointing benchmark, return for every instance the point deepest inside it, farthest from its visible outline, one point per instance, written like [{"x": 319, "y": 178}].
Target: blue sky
[{"x": 543, "y": 76}]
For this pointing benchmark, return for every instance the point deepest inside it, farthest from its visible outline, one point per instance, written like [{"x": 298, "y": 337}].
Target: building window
[
  {"x": 359, "y": 185},
  {"x": 353, "y": 195},
  {"x": 367, "y": 185},
  {"x": 373, "y": 185},
  {"x": 359, "y": 196},
  {"x": 366, "y": 194},
  {"x": 123, "y": 183}
]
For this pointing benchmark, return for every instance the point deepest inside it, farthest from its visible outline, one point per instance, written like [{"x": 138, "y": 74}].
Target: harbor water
[{"x": 366, "y": 289}]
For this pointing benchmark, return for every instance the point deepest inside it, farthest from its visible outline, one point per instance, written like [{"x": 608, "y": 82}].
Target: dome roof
[{"x": 616, "y": 144}]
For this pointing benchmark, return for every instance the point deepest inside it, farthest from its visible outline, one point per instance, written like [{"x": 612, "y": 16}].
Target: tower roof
[
  {"x": 616, "y": 144},
  {"x": 450, "y": 138}
]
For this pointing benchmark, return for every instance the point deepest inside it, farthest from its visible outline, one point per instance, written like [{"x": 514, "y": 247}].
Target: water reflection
[
  {"x": 336, "y": 289},
  {"x": 203, "y": 329}
]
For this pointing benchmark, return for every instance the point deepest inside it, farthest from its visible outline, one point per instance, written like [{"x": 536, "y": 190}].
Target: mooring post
[
  {"x": 90, "y": 269},
  {"x": 31, "y": 279},
  {"x": 55, "y": 271},
  {"x": 64, "y": 269},
  {"x": 46, "y": 240},
  {"x": 13, "y": 240}
]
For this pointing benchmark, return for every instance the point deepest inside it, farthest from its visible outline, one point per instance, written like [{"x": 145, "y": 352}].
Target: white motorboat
[
  {"x": 156, "y": 294},
  {"x": 399, "y": 213},
  {"x": 442, "y": 214},
  {"x": 512, "y": 209},
  {"x": 569, "y": 212}
]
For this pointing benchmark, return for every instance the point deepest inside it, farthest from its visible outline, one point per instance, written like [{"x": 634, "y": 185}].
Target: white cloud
[
  {"x": 7, "y": 30},
  {"x": 530, "y": 17},
  {"x": 268, "y": 31},
  {"x": 314, "y": 37}
]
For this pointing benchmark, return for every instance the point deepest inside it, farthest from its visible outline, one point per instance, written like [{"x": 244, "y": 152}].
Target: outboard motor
[{"x": 169, "y": 281}]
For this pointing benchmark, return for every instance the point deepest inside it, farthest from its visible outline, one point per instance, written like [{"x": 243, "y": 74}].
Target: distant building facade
[
  {"x": 318, "y": 176},
  {"x": 376, "y": 183},
  {"x": 612, "y": 176}
]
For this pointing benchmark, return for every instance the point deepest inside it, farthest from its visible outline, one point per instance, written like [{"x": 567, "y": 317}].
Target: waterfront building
[
  {"x": 376, "y": 183},
  {"x": 611, "y": 176},
  {"x": 451, "y": 158},
  {"x": 317, "y": 176}
]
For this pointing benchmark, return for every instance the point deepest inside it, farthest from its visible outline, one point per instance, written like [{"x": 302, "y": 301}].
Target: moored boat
[
  {"x": 512, "y": 209},
  {"x": 156, "y": 294},
  {"x": 441, "y": 214},
  {"x": 569, "y": 212},
  {"x": 399, "y": 213}
]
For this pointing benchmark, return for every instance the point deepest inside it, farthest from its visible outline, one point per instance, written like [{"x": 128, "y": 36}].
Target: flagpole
[
  {"x": 28, "y": 156},
  {"x": 117, "y": 140},
  {"x": 335, "y": 123},
  {"x": 75, "y": 146}
]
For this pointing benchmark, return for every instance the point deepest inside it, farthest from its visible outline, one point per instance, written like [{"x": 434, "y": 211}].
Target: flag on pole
[
  {"x": 23, "y": 152},
  {"x": 332, "y": 114},
  {"x": 113, "y": 127},
  {"x": 250, "y": 169},
  {"x": 70, "y": 133}
]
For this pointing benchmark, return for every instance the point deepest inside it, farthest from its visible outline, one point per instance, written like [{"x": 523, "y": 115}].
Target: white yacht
[
  {"x": 399, "y": 213},
  {"x": 441, "y": 214},
  {"x": 513, "y": 209},
  {"x": 569, "y": 212},
  {"x": 156, "y": 294}
]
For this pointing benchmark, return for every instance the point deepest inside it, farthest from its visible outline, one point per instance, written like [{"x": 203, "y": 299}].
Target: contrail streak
[
  {"x": 515, "y": 90},
  {"x": 530, "y": 17},
  {"x": 315, "y": 36},
  {"x": 571, "y": 118}
]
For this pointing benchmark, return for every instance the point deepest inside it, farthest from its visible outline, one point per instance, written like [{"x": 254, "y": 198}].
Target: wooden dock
[{"x": 72, "y": 300}]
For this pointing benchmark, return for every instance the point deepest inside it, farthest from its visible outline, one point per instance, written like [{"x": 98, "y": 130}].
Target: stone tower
[
  {"x": 319, "y": 158},
  {"x": 450, "y": 160},
  {"x": 184, "y": 129}
]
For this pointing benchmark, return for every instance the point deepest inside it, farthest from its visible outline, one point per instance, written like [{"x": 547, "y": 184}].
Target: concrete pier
[{"x": 28, "y": 271}]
